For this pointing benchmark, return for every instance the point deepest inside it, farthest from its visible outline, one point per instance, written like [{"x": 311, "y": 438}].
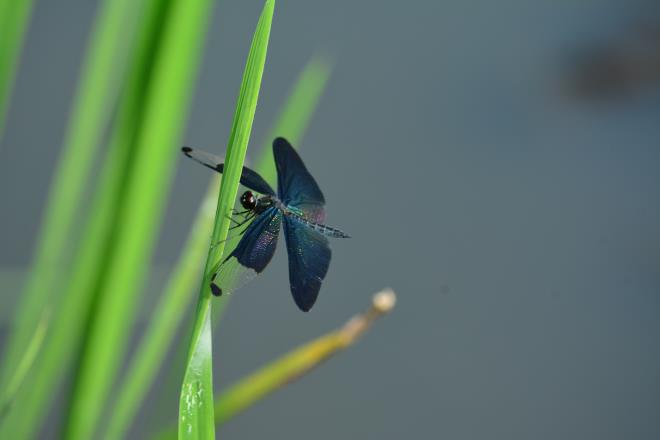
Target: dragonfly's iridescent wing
[
  {"x": 252, "y": 254},
  {"x": 250, "y": 179},
  {"x": 309, "y": 258},
  {"x": 295, "y": 186}
]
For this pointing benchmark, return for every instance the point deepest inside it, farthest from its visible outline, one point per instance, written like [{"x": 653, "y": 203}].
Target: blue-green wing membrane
[
  {"x": 309, "y": 258},
  {"x": 295, "y": 185},
  {"x": 249, "y": 178},
  {"x": 252, "y": 254}
]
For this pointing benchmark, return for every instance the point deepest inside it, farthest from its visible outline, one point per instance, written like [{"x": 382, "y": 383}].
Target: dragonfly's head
[{"x": 248, "y": 200}]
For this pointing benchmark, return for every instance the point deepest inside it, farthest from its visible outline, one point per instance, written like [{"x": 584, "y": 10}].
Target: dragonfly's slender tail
[
  {"x": 333, "y": 232},
  {"x": 328, "y": 231}
]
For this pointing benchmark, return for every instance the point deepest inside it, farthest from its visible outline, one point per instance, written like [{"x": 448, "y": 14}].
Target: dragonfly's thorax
[
  {"x": 265, "y": 202},
  {"x": 270, "y": 201}
]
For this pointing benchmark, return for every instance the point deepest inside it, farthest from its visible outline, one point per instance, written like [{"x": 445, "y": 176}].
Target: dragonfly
[{"x": 298, "y": 207}]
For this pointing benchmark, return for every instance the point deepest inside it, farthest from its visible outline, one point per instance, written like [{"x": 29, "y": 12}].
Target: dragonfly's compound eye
[{"x": 248, "y": 200}]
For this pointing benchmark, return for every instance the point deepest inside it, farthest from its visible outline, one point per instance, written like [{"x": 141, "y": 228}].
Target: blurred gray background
[{"x": 518, "y": 221}]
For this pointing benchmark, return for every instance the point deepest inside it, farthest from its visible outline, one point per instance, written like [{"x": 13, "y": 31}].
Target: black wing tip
[
  {"x": 306, "y": 301},
  {"x": 305, "y": 308},
  {"x": 215, "y": 290},
  {"x": 186, "y": 150},
  {"x": 280, "y": 142},
  {"x": 342, "y": 234}
]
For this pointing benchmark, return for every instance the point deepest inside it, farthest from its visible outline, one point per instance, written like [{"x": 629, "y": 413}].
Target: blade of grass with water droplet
[
  {"x": 196, "y": 400},
  {"x": 164, "y": 321}
]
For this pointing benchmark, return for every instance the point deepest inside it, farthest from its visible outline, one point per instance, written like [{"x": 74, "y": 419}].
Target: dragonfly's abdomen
[{"x": 328, "y": 231}]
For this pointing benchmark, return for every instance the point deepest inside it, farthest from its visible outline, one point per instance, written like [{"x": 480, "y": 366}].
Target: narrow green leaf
[
  {"x": 165, "y": 319},
  {"x": 14, "y": 17},
  {"x": 101, "y": 74},
  {"x": 46, "y": 290},
  {"x": 156, "y": 147},
  {"x": 196, "y": 401}
]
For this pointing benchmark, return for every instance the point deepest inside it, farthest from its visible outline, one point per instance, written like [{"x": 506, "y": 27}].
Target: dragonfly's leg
[
  {"x": 239, "y": 224},
  {"x": 243, "y": 231},
  {"x": 214, "y": 245},
  {"x": 247, "y": 214},
  {"x": 233, "y": 220},
  {"x": 232, "y": 236}
]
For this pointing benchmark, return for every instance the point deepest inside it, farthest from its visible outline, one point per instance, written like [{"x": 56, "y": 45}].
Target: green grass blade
[
  {"x": 14, "y": 17},
  {"x": 140, "y": 216},
  {"x": 72, "y": 311},
  {"x": 196, "y": 401},
  {"x": 72, "y": 314},
  {"x": 165, "y": 320},
  {"x": 103, "y": 69}
]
